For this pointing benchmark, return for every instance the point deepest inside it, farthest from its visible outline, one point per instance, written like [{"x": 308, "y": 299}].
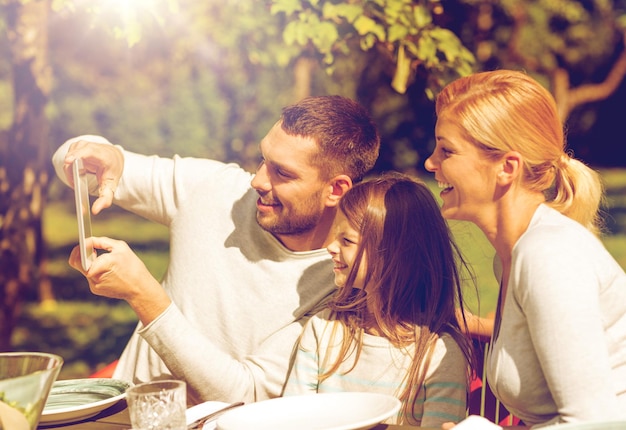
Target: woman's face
[
  {"x": 464, "y": 174},
  {"x": 343, "y": 250}
]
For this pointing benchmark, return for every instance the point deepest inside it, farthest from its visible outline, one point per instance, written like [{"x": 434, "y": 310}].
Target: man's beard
[
  {"x": 294, "y": 223},
  {"x": 289, "y": 226}
]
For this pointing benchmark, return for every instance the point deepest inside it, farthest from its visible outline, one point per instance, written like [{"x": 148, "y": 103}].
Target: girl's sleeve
[
  {"x": 303, "y": 377},
  {"x": 446, "y": 385}
]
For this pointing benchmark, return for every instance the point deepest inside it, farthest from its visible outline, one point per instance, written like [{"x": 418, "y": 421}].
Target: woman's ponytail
[{"x": 578, "y": 192}]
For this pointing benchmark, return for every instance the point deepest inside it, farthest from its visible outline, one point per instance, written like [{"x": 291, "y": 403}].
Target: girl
[{"x": 391, "y": 327}]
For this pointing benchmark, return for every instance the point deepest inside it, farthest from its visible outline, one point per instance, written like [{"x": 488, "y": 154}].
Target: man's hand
[
  {"x": 120, "y": 274},
  {"x": 105, "y": 161}
]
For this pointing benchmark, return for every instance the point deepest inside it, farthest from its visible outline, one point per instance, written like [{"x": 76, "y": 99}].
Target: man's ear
[
  {"x": 511, "y": 168},
  {"x": 339, "y": 185}
]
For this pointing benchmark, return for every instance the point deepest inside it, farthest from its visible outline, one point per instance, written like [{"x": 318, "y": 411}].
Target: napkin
[{"x": 476, "y": 422}]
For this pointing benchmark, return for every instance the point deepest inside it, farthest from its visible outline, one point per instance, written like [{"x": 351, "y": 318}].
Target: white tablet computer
[{"x": 83, "y": 213}]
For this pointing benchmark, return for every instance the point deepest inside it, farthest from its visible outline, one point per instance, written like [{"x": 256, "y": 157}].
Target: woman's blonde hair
[{"x": 506, "y": 110}]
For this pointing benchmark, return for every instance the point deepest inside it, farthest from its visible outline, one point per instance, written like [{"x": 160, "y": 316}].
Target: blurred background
[{"x": 208, "y": 78}]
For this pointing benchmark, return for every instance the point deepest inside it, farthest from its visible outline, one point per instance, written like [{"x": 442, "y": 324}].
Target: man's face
[{"x": 291, "y": 192}]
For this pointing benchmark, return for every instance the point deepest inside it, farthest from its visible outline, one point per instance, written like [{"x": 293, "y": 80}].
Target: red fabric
[
  {"x": 106, "y": 371},
  {"x": 475, "y": 395},
  {"x": 489, "y": 412}
]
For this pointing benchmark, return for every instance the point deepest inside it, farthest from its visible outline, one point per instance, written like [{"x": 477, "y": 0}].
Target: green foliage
[
  {"x": 87, "y": 335},
  {"x": 403, "y": 28},
  {"x": 205, "y": 84},
  {"x": 86, "y": 330},
  {"x": 149, "y": 240},
  {"x": 547, "y": 34},
  {"x": 209, "y": 79}
]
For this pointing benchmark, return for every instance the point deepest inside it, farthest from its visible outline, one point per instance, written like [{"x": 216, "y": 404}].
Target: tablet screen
[{"x": 81, "y": 196}]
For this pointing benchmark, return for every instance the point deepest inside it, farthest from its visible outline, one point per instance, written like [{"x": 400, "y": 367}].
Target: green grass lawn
[
  {"x": 79, "y": 326},
  {"x": 150, "y": 240},
  {"x": 86, "y": 330}
]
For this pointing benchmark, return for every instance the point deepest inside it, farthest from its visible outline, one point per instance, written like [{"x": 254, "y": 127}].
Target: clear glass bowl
[{"x": 25, "y": 382}]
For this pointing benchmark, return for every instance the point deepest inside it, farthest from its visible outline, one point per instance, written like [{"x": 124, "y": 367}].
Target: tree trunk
[
  {"x": 24, "y": 157},
  {"x": 303, "y": 73},
  {"x": 569, "y": 99}
]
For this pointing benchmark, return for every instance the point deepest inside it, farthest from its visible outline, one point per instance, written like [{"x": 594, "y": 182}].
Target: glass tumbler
[{"x": 158, "y": 405}]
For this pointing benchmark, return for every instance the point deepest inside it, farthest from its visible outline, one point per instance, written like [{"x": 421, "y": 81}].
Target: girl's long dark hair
[{"x": 413, "y": 284}]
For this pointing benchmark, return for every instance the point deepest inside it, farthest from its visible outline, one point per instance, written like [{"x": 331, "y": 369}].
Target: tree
[
  {"x": 575, "y": 48},
  {"x": 24, "y": 158},
  {"x": 24, "y": 161},
  {"x": 403, "y": 58},
  {"x": 563, "y": 42},
  {"x": 403, "y": 33}
]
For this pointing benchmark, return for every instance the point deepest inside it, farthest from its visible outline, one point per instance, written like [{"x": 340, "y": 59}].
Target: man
[{"x": 247, "y": 259}]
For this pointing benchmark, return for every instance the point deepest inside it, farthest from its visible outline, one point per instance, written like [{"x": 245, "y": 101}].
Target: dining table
[{"x": 116, "y": 417}]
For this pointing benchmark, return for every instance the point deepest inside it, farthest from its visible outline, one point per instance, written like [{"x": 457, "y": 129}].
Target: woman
[
  {"x": 558, "y": 351},
  {"x": 391, "y": 327}
]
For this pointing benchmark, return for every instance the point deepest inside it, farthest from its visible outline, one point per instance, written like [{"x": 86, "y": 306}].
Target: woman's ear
[
  {"x": 511, "y": 168},
  {"x": 339, "y": 185}
]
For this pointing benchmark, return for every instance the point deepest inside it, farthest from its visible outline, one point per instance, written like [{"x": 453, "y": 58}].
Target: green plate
[{"x": 78, "y": 399}]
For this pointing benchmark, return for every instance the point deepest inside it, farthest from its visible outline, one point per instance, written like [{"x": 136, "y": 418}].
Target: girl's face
[
  {"x": 343, "y": 250},
  {"x": 465, "y": 175}
]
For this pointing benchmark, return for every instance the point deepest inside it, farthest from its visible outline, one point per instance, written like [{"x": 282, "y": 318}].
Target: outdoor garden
[
  {"x": 90, "y": 332},
  {"x": 208, "y": 79}
]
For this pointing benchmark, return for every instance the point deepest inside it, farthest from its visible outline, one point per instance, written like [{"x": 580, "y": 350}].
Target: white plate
[
  {"x": 202, "y": 410},
  {"x": 327, "y": 411},
  {"x": 78, "y": 399},
  {"x": 594, "y": 425}
]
